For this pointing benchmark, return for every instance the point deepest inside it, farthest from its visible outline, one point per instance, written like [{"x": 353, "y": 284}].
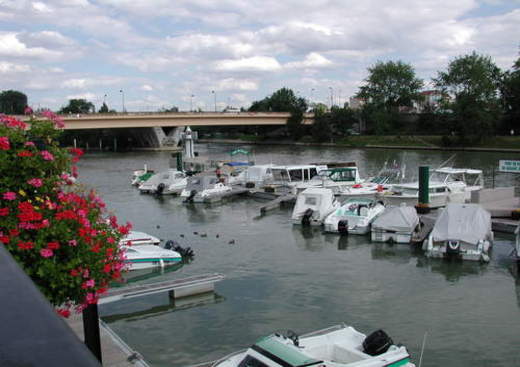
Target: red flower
[
  {"x": 4, "y": 143},
  {"x": 24, "y": 153},
  {"x": 26, "y": 245},
  {"x": 4, "y": 212},
  {"x": 63, "y": 312},
  {"x": 53, "y": 245},
  {"x": 4, "y": 239}
]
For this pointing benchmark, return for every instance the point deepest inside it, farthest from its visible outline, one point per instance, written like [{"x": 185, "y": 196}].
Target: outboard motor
[
  {"x": 293, "y": 337},
  {"x": 189, "y": 199},
  {"x": 377, "y": 343},
  {"x": 170, "y": 244},
  {"x": 306, "y": 219},
  {"x": 160, "y": 188},
  {"x": 343, "y": 227},
  {"x": 186, "y": 253},
  {"x": 453, "y": 248}
]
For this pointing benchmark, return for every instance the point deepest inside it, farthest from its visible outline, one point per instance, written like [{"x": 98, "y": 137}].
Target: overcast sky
[{"x": 161, "y": 52}]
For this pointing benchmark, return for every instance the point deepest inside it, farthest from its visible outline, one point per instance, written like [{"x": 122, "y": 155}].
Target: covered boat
[
  {"x": 313, "y": 205},
  {"x": 165, "y": 182},
  {"x": 333, "y": 347},
  {"x": 461, "y": 231},
  {"x": 354, "y": 216},
  {"x": 256, "y": 176},
  {"x": 396, "y": 224},
  {"x": 150, "y": 256}
]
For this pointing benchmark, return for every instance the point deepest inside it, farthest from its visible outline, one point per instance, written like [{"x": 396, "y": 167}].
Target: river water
[{"x": 281, "y": 277}]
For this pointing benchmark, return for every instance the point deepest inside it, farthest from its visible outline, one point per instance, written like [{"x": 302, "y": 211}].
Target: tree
[
  {"x": 391, "y": 85},
  {"x": 78, "y": 106},
  {"x": 284, "y": 100},
  {"x": 12, "y": 102},
  {"x": 472, "y": 83},
  {"x": 510, "y": 91},
  {"x": 103, "y": 108}
]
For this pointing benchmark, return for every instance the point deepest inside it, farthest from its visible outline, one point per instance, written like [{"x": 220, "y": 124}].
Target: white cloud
[
  {"x": 88, "y": 96},
  {"x": 41, "y": 7},
  {"x": 146, "y": 87},
  {"x": 11, "y": 46},
  {"x": 9, "y": 67},
  {"x": 255, "y": 63},
  {"x": 236, "y": 84},
  {"x": 312, "y": 60}
]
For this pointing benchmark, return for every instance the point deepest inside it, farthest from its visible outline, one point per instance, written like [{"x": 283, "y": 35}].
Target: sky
[{"x": 153, "y": 54}]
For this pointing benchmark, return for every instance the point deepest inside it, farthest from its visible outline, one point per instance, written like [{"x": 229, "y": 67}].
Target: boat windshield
[
  {"x": 389, "y": 176},
  {"x": 281, "y": 353}
]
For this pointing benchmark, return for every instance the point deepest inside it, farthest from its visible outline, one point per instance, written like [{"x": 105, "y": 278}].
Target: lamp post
[
  {"x": 312, "y": 95},
  {"x": 215, "y": 99},
  {"x": 331, "y": 97},
  {"x": 122, "y": 99},
  {"x": 104, "y": 99},
  {"x": 191, "y": 102}
]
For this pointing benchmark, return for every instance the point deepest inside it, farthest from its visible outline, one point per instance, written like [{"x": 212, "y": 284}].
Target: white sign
[{"x": 509, "y": 166}]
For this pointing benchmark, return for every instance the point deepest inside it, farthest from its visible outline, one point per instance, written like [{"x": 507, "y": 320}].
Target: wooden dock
[
  {"x": 177, "y": 288},
  {"x": 276, "y": 203},
  {"x": 427, "y": 223}
]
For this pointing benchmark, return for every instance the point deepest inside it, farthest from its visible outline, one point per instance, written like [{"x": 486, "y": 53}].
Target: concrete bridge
[{"x": 150, "y": 126}]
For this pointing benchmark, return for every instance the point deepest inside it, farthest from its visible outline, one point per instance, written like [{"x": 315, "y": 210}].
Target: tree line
[{"x": 474, "y": 100}]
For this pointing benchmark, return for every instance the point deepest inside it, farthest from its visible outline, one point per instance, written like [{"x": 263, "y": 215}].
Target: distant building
[
  {"x": 431, "y": 100},
  {"x": 356, "y": 103}
]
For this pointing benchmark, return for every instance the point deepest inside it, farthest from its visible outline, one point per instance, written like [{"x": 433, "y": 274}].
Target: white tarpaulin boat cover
[
  {"x": 462, "y": 222},
  {"x": 398, "y": 219}
]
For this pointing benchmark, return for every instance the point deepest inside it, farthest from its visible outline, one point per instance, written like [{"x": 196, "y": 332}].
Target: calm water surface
[{"x": 281, "y": 277}]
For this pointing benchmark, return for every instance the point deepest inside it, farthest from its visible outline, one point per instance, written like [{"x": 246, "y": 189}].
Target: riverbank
[{"x": 494, "y": 144}]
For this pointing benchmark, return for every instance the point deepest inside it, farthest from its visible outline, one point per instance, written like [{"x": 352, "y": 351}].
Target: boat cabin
[
  {"x": 295, "y": 174},
  {"x": 472, "y": 178},
  {"x": 341, "y": 174}
]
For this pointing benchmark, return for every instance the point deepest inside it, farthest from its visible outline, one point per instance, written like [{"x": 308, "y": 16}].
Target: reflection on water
[
  {"x": 281, "y": 276},
  {"x": 128, "y": 311},
  {"x": 142, "y": 275}
]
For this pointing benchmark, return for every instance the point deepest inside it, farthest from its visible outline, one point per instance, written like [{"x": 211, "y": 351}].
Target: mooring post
[
  {"x": 75, "y": 144},
  {"x": 179, "y": 162},
  {"x": 91, "y": 330},
  {"x": 115, "y": 144},
  {"x": 424, "y": 198}
]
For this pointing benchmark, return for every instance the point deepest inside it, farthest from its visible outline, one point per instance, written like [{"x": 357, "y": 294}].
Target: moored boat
[
  {"x": 204, "y": 189},
  {"x": 354, "y": 216},
  {"x": 396, "y": 224},
  {"x": 134, "y": 238},
  {"x": 339, "y": 346},
  {"x": 313, "y": 205},
  {"x": 150, "y": 256},
  {"x": 337, "y": 179},
  {"x": 167, "y": 182},
  {"x": 461, "y": 231}
]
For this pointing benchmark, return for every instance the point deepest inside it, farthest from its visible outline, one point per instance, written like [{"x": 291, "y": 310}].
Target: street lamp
[
  {"x": 191, "y": 102},
  {"x": 104, "y": 99},
  {"x": 312, "y": 94},
  {"x": 122, "y": 99},
  {"x": 215, "y": 99},
  {"x": 331, "y": 97}
]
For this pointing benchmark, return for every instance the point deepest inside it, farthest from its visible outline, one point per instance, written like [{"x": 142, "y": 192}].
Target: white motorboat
[
  {"x": 396, "y": 225},
  {"x": 354, "y": 216},
  {"x": 295, "y": 175},
  {"x": 205, "y": 189},
  {"x": 134, "y": 238},
  {"x": 164, "y": 183},
  {"x": 446, "y": 185},
  {"x": 313, "y": 205},
  {"x": 460, "y": 179},
  {"x": 378, "y": 184},
  {"x": 149, "y": 256},
  {"x": 339, "y": 346},
  {"x": 255, "y": 176},
  {"x": 461, "y": 231},
  {"x": 337, "y": 179}
]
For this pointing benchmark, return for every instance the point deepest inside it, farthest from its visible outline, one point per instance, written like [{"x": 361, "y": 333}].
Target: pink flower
[
  {"x": 4, "y": 143},
  {"x": 9, "y": 195},
  {"x": 28, "y": 110},
  {"x": 73, "y": 243},
  {"x": 45, "y": 252},
  {"x": 29, "y": 144},
  {"x": 36, "y": 182},
  {"x": 47, "y": 155},
  {"x": 58, "y": 122}
]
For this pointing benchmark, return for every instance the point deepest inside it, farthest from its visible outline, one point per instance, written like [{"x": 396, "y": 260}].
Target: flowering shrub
[{"x": 59, "y": 233}]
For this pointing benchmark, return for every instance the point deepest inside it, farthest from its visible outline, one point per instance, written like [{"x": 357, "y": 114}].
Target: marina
[{"x": 280, "y": 276}]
